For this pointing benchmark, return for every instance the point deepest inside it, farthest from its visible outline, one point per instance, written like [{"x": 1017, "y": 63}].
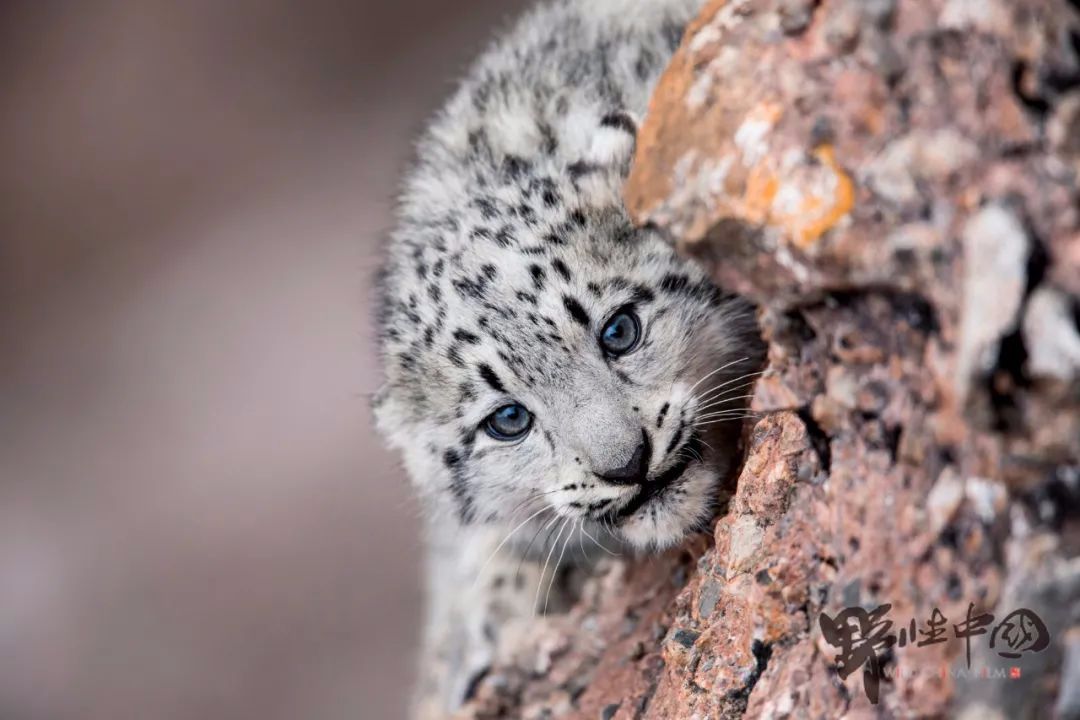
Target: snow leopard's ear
[
  {"x": 615, "y": 140},
  {"x": 609, "y": 152}
]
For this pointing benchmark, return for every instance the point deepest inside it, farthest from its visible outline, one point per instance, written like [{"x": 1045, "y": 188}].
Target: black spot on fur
[
  {"x": 490, "y": 378},
  {"x": 526, "y": 213},
  {"x": 549, "y": 144},
  {"x": 480, "y": 233},
  {"x": 459, "y": 488},
  {"x": 673, "y": 33},
  {"x": 453, "y": 354},
  {"x": 580, "y": 168},
  {"x": 514, "y": 166},
  {"x": 619, "y": 121},
  {"x": 560, "y": 267},
  {"x": 466, "y": 337},
  {"x": 643, "y": 294},
  {"x": 673, "y": 283},
  {"x": 578, "y": 218},
  {"x": 469, "y": 289},
  {"x": 538, "y": 276},
  {"x": 554, "y": 239},
  {"x": 577, "y": 312},
  {"x": 644, "y": 65},
  {"x": 487, "y": 208},
  {"x": 504, "y": 236},
  {"x": 675, "y": 439},
  {"x": 680, "y": 284}
]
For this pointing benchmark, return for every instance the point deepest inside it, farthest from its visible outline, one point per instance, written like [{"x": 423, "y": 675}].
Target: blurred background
[{"x": 196, "y": 520}]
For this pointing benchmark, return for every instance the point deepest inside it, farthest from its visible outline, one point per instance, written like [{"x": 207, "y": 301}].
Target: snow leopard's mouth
[{"x": 688, "y": 453}]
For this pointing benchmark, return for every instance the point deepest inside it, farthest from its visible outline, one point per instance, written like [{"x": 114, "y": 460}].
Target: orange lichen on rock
[
  {"x": 821, "y": 211},
  {"x": 805, "y": 203}
]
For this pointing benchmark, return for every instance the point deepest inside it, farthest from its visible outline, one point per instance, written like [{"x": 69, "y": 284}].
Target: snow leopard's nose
[{"x": 636, "y": 469}]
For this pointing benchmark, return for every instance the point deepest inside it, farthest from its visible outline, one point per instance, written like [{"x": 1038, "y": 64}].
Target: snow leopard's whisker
[
  {"x": 726, "y": 396},
  {"x": 694, "y": 453},
  {"x": 547, "y": 560},
  {"x": 480, "y": 572},
  {"x": 558, "y": 563},
  {"x": 728, "y": 411},
  {"x": 599, "y": 544},
  {"x": 730, "y": 381},
  {"x": 528, "y": 547},
  {"x": 724, "y": 401},
  {"x": 728, "y": 418},
  {"x": 552, "y": 524},
  {"x": 609, "y": 527},
  {"x": 709, "y": 375},
  {"x": 533, "y": 496},
  {"x": 745, "y": 380},
  {"x": 723, "y": 415},
  {"x": 711, "y": 393}
]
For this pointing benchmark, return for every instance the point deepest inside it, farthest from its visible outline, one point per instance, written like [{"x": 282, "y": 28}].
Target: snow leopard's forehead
[{"x": 492, "y": 299}]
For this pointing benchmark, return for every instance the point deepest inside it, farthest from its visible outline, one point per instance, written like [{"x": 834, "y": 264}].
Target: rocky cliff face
[{"x": 895, "y": 183}]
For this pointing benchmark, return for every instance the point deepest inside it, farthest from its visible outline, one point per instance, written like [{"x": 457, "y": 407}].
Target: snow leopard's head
[
  {"x": 547, "y": 364},
  {"x": 583, "y": 372}
]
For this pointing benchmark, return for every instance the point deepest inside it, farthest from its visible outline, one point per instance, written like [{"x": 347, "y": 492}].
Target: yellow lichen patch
[
  {"x": 805, "y": 201},
  {"x": 843, "y": 199},
  {"x": 761, "y": 187}
]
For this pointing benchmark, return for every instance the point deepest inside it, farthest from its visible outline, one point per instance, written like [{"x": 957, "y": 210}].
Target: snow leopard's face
[{"x": 546, "y": 374}]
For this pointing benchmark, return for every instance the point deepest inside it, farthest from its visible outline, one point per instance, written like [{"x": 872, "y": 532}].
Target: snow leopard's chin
[{"x": 676, "y": 511}]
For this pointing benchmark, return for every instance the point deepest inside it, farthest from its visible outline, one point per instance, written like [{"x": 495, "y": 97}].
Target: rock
[
  {"x": 795, "y": 15},
  {"x": 745, "y": 541},
  {"x": 996, "y": 250},
  {"x": 1052, "y": 336},
  {"x": 1067, "y": 706},
  {"x": 707, "y": 598},
  {"x": 908, "y": 227},
  {"x": 944, "y": 500}
]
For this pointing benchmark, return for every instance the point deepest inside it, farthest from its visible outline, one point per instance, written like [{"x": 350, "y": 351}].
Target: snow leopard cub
[{"x": 555, "y": 378}]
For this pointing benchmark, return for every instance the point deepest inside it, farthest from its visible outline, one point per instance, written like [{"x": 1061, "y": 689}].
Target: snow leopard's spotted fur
[{"x": 512, "y": 249}]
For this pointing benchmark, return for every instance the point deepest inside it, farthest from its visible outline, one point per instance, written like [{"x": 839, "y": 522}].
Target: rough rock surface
[{"x": 895, "y": 183}]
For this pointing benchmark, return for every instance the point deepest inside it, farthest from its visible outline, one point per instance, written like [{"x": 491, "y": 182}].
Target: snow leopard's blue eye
[
  {"x": 509, "y": 422},
  {"x": 621, "y": 333}
]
